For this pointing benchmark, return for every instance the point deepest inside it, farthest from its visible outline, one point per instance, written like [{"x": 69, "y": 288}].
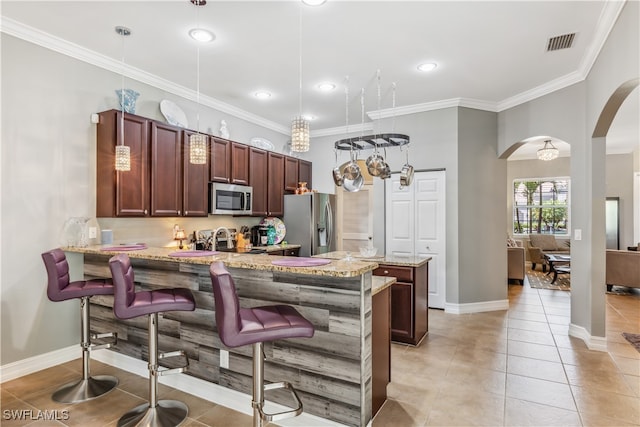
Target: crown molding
[
  {"x": 342, "y": 130},
  {"x": 56, "y": 44}
]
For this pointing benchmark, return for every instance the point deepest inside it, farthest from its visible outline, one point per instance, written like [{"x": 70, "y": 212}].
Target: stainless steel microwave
[{"x": 230, "y": 199}]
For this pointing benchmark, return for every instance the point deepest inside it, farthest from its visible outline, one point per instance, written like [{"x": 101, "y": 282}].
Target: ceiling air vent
[{"x": 560, "y": 42}]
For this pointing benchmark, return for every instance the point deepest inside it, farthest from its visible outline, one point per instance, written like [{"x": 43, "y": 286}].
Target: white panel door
[
  {"x": 400, "y": 228},
  {"x": 429, "y": 188},
  {"x": 415, "y": 225}
]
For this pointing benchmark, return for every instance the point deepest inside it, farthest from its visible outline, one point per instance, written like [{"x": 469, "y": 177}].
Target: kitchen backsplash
[{"x": 159, "y": 231}]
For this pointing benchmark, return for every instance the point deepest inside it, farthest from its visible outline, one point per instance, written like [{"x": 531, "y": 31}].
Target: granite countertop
[
  {"x": 336, "y": 268},
  {"x": 408, "y": 261},
  {"x": 380, "y": 283}
]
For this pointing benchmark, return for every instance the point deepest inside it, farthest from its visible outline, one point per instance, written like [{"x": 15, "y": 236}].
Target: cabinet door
[
  {"x": 275, "y": 188},
  {"x": 304, "y": 172},
  {"x": 290, "y": 174},
  {"x": 239, "y": 163},
  {"x": 195, "y": 183},
  {"x": 402, "y": 312},
  {"x": 220, "y": 160},
  {"x": 258, "y": 180},
  {"x": 275, "y": 253},
  {"x": 166, "y": 170},
  {"x": 132, "y": 187}
]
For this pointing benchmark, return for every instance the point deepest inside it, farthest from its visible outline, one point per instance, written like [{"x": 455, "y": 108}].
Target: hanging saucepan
[
  {"x": 406, "y": 174},
  {"x": 337, "y": 175},
  {"x": 354, "y": 185},
  {"x": 384, "y": 169},
  {"x": 375, "y": 164},
  {"x": 351, "y": 171}
]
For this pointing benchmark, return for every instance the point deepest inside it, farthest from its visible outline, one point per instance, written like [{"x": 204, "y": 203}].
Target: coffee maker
[{"x": 259, "y": 235}]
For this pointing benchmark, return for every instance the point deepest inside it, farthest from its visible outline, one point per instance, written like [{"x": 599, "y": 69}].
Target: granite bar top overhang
[
  {"x": 407, "y": 261},
  {"x": 336, "y": 268}
]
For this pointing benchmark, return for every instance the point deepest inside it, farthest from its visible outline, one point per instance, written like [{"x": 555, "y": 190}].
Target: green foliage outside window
[{"x": 541, "y": 206}]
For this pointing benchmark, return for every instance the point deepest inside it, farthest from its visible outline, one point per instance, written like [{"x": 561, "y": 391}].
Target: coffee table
[{"x": 558, "y": 264}]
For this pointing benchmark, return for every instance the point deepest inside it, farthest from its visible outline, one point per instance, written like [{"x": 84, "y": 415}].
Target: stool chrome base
[
  {"x": 85, "y": 389},
  {"x": 167, "y": 413}
]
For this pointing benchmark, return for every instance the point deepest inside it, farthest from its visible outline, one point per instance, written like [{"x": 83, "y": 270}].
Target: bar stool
[
  {"x": 59, "y": 288},
  {"x": 127, "y": 304},
  {"x": 242, "y": 326}
]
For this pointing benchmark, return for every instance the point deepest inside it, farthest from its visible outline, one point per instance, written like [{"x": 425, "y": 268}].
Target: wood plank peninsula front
[{"x": 332, "y": 371}]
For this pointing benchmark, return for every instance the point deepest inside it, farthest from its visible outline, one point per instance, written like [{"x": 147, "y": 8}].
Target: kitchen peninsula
[{"x": 331, "y": 371}]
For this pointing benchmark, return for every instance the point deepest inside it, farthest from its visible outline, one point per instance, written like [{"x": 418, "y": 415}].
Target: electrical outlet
[
  {"x": 224, "y": 359},
  {"x": 93, "y": 232},
  {"x": 577, "y": 234}
]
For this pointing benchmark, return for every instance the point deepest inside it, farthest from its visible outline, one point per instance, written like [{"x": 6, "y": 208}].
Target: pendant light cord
[{"x": 300, "y": 59}]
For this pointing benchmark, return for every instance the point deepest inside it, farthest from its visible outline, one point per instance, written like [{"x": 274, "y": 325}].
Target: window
[{"x": 541, "y": 206}]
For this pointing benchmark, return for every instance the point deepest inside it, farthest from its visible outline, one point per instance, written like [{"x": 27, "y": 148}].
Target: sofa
[
  {"x": 515, "y": 260},
  {"x": 541, "y": 244},
  {"x": 623, "y": 268}
]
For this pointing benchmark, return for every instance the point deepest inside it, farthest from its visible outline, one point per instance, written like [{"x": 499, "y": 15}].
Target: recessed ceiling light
[
  {"x": 427, "y": 66},
  {"x": 326, "y": 86},
  {"x": 201, "y": 35},
  {"x": 262, "y": 94},
  {"x": 313, "y": 2}
]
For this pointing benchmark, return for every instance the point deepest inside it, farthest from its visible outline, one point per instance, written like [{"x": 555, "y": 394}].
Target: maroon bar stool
[
  {"x": 127, "y": 304},
  {"x": 59, "y": 288},
  {"x": 242, "y": 326}
]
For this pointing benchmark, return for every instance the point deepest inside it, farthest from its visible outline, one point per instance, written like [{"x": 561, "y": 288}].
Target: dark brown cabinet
[
  {"x": 239, "y": 163},
  {"x": 195, "y": 184},
  {"x": 290, "y": 174},
  {"x": 286, "y": 252},
  {"x": 220, "y": 161},
  {"x": 122, "y": 193},
  {"x": 258, "y": 180},
  {"x": 166, "y": 170},
  {"x": 380, "y": 347},
  {"x": 409, "y": 315},
  {"x": 275, "y": 184},
  {"x": 304, "y": 172}
]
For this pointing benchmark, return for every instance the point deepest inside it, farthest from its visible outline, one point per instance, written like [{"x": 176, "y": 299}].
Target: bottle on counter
[{"x": 271, "y": 235}]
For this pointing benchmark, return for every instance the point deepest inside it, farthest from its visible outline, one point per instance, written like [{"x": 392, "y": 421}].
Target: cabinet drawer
[{"x": 403, "y": 274}]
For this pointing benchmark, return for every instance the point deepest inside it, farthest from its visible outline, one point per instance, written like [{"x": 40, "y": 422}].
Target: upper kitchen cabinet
[
  {"x": 258, "y": 180},
  {"x": 275, "y": 184},
  {"x": 195, "y": 184},
  {"x": 290, "y": 174},
  {"x": 166, "y": 170},
  {"x": 304, "y": 172},
  {"x": 229, "y": 162},
  {"x": 122, "y": 193},
  {"x": 220, "y": 160}
]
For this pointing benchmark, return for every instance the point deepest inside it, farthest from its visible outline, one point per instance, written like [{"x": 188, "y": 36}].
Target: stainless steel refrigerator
[{"x": 310, "y": 221}]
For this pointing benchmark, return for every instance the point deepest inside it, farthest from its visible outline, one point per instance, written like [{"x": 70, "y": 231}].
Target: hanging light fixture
[
  {"x": 548, "y": 152},
  {"x": 123, "y": 152},
  {"x": 198, "y": 141},
  {"x": 300, "y": 125}
]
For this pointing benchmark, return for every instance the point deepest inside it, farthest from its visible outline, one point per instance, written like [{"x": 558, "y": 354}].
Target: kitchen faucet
[{"x": 227, "y": 232}]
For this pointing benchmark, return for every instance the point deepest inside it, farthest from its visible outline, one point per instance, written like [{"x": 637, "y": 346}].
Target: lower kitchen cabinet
[
  {"x": 286, "y": 252},
  {"x": 409, "y": 315}
]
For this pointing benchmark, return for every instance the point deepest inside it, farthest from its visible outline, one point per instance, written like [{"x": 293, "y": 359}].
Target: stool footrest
[
  {"x": 114, "y": 341},
  {"x": 178, "y": 370},
  {"x": 276, "y": 416}
]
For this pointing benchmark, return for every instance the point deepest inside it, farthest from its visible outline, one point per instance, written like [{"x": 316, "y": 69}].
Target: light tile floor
[{"x": 506, "y": 368}]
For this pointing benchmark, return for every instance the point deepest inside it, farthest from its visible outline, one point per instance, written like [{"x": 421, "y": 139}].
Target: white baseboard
[
  {"x": 18, "y": 369},
  {"x": 476, "y": 307},
  {"x": 592, "y": 342},
  {"x": 200, "y": 388}
]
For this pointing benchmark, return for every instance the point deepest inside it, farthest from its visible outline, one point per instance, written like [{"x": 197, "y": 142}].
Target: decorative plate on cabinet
[
  {"x": 173, "y": 114},
  {"x": 265, "y": 144},
  {"x": 277, "y": 223}
]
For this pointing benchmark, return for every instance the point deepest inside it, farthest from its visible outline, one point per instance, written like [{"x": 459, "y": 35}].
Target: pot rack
[{"x": 367, "y": 142}]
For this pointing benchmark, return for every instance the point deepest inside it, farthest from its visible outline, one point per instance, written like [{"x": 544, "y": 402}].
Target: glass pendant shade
[
  {"x": 548, "y": 152},
  {"x": 299, "y": 135},
  {"x": 123, "y": 158},
  {"x": 198, "y": 149}
]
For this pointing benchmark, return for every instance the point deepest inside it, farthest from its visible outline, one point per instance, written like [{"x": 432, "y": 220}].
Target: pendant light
[
  {"x": 548, "y": 152},
  {"x": 123, "y": 152},
  {"x": 300, "y": 125},
  {"x": 198, "y": 141}
]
